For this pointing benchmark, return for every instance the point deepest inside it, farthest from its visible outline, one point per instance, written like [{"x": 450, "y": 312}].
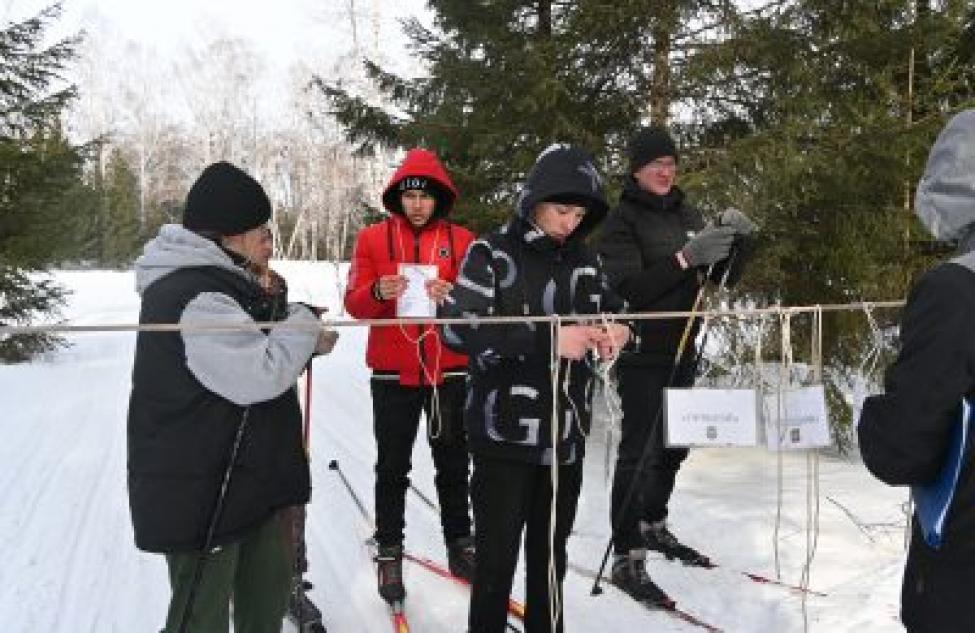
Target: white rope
[
  {"x": 613, "y": 408},
  {"x": 63, "y": 328},
  {"x": 785, "y": 366},
  {"x": 554, "y": 601},
  {"x": 812, "y": 473}
]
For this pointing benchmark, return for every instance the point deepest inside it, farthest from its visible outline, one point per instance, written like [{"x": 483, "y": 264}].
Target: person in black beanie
[
  {"x": 657, "y": 250},
  {"x": 215, "y": 451},
  {"x": 537, "y": 264}
]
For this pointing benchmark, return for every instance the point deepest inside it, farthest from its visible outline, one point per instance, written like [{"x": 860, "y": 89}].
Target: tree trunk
[
  {"x": 544, "y": 19},
  {"x": 663, "y": 32}
]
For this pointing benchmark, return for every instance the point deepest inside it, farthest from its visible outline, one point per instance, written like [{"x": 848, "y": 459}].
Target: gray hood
[
  {"x": 177, "y": 247},
  {"x": 945, "y": 200}
]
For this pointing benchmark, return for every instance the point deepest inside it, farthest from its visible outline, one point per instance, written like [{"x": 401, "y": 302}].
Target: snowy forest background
[{"x": 813, "y": 116}]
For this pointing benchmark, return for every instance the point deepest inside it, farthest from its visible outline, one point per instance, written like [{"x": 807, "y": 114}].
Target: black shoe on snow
[
  {"x": 302, "y": 610},
  {"x": 460, "y": 558},
  {"x": 629, "y": 573},
  {"x": 389, "y": 571},
  {"x": 657, "y": 537}
]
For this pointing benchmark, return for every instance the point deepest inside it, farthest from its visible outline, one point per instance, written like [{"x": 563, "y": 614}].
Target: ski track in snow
[{"x": 70, "y": 563}]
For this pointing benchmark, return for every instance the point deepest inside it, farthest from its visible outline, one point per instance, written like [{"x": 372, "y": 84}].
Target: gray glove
[
  {"x": 737, "y": 220},
  {"x": 710, "y": 245}
]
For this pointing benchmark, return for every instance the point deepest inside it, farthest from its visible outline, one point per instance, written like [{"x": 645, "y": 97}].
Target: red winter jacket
[{"x": 379, "y": 249}]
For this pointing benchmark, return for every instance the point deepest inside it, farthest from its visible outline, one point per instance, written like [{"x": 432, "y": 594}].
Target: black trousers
[
  {"x": 641, "y": 393},
  {"x": 508, "y": 496},
  {"x": 396, "y": 418}
]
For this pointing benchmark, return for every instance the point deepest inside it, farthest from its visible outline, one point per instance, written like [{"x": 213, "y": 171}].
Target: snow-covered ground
[{"x": 69, "y": 563}]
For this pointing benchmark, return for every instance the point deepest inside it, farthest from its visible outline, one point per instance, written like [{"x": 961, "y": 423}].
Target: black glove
[{"x": 710, "y": 245}]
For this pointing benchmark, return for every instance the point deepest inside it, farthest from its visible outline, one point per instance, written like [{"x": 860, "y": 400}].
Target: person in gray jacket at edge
[
  {"x": 912, "y": 434},
  {"x": 209, "y": 404}
]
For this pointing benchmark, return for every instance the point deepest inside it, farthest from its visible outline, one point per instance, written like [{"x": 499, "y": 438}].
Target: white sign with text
[
  {"x": 710, "y": 417},
  {"x": 804, "y": 419}
]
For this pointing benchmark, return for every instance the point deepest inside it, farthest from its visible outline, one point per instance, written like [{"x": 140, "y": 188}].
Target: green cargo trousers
[{"x": 255, "y": 573}]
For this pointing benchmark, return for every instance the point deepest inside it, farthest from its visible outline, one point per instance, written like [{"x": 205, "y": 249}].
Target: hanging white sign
[
  {"x": 710, "y": 417},
  {"x": 797, "y": 418}
]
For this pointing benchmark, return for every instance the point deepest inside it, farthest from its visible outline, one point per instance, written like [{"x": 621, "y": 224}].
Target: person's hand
[
  {"x": 438, "y": 289},
  {"x": 326, "y": 341},
  {"x": 389, "y": 287},
  {"x": 611, "y": 340},
  {"x": 710, "y": 245},
  {"x": 737, "y": 220},
  {"x": 576, "y": 340}
]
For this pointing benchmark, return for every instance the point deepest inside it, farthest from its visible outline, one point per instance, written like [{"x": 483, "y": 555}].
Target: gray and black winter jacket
[
  {"x": 518, "y": 270},
  {"x": 190, "y": 391}
]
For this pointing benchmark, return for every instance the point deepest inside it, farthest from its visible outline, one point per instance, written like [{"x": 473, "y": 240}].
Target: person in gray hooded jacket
[
  {"x": 214, "y": 427},
  {"x": 909, "y": 433}
]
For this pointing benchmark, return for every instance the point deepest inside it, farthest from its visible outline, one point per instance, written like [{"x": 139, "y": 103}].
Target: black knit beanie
[
  {"x": 226, "y": 201},
  {"x": 649, "y": 144}
]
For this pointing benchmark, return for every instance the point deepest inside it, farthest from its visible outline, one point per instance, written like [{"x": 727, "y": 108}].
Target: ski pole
[
  {"x": 212, "y": 527},
  {"x": 334, "y": 465},
  {"x": 655, "y": 429}
]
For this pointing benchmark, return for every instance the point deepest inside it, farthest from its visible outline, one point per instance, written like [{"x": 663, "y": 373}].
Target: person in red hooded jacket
[{"x": 412, "y": 370}]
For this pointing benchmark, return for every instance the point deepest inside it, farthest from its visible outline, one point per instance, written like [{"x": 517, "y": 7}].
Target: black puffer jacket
[
  {"x": 518, "y": 270},
  {"x": 638, "y": 243}
]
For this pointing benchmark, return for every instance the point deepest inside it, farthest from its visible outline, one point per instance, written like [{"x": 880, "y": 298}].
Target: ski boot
[
  {"x": 629, "y": 573},
  {"x": 389, "y": 572},
  {"x": 657, "y": 537},
  {"x": 460, "y": 558},
  {"x": 302, "y": 611}
]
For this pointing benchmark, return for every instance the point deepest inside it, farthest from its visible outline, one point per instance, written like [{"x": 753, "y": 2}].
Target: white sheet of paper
[
  {"x": 415, "y": 303},
  {"x": 711, "y": 417},
  {"x": 805, "y": 420}
]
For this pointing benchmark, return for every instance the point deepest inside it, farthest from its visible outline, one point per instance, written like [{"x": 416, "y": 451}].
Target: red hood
[{"x": 424, "y": 163}]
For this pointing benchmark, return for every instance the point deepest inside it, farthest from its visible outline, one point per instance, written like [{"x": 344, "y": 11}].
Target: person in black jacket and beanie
[
  {"x": 908, "y": 433},
  {"x": 206, "y": 402},
  {"x": 536, "y": 264},
  {"x": 658, "y": 252}
]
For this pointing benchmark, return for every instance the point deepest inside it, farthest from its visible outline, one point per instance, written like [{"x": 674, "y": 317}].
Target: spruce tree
[
  {"x": 38, "y": 169},
  {"x": 507, "y": 78}
]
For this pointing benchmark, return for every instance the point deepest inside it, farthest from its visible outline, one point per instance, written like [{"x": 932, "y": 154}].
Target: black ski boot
[
  {"x": 657, "y": 537},
  {"x": 389, "y": 571},
  {"x": 630, "y": 574},
  {"x": 460, "y": 558},
  {"x": 302, "y": 611}
]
